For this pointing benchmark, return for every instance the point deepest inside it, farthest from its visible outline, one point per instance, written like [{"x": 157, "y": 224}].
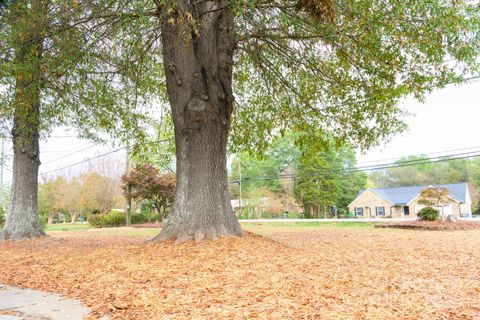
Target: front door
[{"x": 406, "y": 210}]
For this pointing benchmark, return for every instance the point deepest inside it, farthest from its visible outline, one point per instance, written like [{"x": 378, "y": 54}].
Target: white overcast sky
[{"x": 449, "y": 119}]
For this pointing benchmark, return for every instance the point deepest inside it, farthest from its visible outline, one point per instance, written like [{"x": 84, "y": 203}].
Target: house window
[
  {"x": 380, "y": 211},
  {"x": 359, "y": 211}
]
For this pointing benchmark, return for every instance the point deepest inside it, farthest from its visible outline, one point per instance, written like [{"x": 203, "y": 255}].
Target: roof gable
[{"x": 362, "y": 192}]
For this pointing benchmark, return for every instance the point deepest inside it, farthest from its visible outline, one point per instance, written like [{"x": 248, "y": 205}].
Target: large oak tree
[{"x": 253, "y": 68}]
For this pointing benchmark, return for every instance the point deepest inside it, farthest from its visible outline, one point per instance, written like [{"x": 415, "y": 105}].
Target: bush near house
[{"x": 428, "y": 214}]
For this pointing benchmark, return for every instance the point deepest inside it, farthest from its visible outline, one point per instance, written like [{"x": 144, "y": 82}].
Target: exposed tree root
[
  {"x": 19, "y": 235},
  {"x": 198, "y": 234}
]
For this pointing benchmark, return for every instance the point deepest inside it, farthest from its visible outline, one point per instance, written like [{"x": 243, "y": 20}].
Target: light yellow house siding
[
  {"x": 368, "y": 200},
  {"x": 415, "y": 206}
]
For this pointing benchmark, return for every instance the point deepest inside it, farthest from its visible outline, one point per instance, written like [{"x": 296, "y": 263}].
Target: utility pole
[
  {"x": 2, "y": 163},
  {"x": 128, "y": 202},
  {"x": 239, "y": 186}
]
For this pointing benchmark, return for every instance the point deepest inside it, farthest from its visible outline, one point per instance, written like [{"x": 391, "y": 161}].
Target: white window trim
[
  {"x": 377, "y": 211},
  {"x": 356, "y": 211}
]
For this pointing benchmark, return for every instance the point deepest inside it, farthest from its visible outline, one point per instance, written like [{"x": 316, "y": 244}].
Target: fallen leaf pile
[
  {"x": 290, "y": 274},
  {"x": 431, "y": 225}
]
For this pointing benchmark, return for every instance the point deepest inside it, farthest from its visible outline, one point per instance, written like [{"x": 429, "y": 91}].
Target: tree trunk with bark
[
  {"x": 73, "y": 216},
  {"x": 198, "y": 67},
  {"x": 23, "y": 221},
  {"x": 128, "y": 207}
]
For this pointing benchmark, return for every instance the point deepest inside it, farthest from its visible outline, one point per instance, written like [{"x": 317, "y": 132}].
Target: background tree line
[
  {"x": 297, "y": 176},
  {"x": 314, "y": 177},
  {"x": 68, "y": 199}
]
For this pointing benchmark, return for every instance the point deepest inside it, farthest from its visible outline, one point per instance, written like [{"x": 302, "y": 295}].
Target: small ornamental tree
[
  {"x": 433, "y": 196},
  {"x": 51, "y": 197},
  {"x": 145, "y": 182},
  {"x": 96, "y": 193}
]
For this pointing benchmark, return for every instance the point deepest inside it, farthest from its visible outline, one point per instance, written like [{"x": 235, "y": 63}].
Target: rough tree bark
[
  {"x": 23, "y": 221},
  {"x": 198, "y": 68},
  {"x": 73, "y": 216}
]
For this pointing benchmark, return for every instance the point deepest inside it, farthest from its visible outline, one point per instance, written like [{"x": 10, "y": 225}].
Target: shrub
[
  {"x": 428, "y": 214},
  {"x": 109, "y": 220},
  {"x": 155, "y": 217},
  {"x": 2, "y": 217},
  {"x": 43, "y": 221},
  {"x": 138, "y": 218},
  {"x": 117, "y": 219},
  {"x": 96, "y": 220},
  {"x": 351, "y": 214}
]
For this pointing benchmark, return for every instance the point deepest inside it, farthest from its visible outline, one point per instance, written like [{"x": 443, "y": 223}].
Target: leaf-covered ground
[
  {"x": 431, "y": 225},
  {"x": 291, "y": 273}
]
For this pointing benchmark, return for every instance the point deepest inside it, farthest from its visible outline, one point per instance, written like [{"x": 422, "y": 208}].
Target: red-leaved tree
[{"x": 145, "y": 182}]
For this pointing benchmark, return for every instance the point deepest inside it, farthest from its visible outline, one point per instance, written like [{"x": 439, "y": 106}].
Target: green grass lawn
[
  {"x": 67, "y": 227},
  {"x": 59, "y": 227},
  {"x": 340, "y": 224}
]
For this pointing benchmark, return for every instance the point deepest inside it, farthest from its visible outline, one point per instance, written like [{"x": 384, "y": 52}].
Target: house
[{"x": 402, "y": 202}]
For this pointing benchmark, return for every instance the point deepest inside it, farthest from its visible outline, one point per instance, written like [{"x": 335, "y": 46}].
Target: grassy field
[
  {"x": 315, "y": 224},
  {"x": 294, "y": 271},
  {"x": 57, "y": 229},
  {"x": 67, "y": 227}
]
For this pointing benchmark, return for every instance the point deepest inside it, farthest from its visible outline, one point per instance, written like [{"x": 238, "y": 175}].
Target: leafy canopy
[
  {"x": 337, "y": 68},
  {"x": 89, "y": 76},
  {"x": 345, "y": 74}
]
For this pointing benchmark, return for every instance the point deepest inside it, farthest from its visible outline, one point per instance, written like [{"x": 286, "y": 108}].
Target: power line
[
  {"x": 427, "y": 154},
  {"x": 72, "y": 153},
  {"x": 417, "y": 160},
  {"x": 424, "y": 161},
  {"x": 102, "y": 155},
  {"x": 61, "y": 137},
  {"x": 54, "y": 151},
  {"x": 459, "y": 156},
  {"x": 83, "y": 161}
]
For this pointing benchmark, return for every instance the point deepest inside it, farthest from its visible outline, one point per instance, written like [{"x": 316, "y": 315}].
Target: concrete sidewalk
[
  {"x": 330, "y": 220},
  {"x": 30, "y": 304},
  {"x": 342, "y": 220}
]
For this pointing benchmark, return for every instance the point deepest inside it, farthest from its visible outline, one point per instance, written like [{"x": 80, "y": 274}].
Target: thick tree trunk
[
  {"x": 73, "y": 216},
  {"x": 23, "y": 221},
  {"x": 199, "y": 83},
  {"x": 128, "y": 217}
]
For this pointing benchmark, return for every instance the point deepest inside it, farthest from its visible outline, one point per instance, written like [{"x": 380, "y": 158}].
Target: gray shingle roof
[{"x": 403, "y": 195}]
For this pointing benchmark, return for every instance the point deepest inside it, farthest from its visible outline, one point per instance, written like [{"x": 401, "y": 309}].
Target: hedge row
[{"x": 118, "y": 219}]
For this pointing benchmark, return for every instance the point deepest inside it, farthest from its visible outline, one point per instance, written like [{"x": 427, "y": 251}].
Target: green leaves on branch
[{"x": 345, "y": 77}]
